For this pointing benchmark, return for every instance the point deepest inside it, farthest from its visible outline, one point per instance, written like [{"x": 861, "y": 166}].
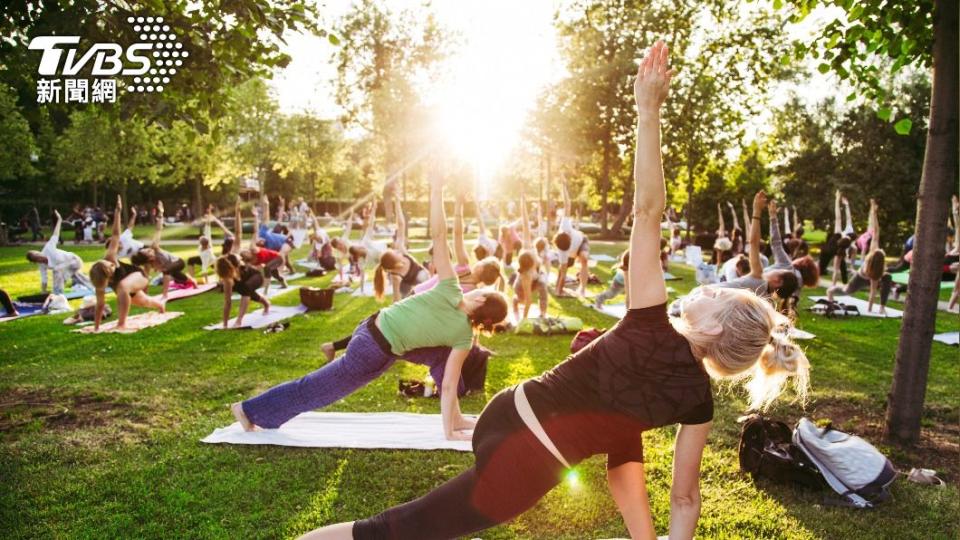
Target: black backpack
[{"x": 767, "y": 451}]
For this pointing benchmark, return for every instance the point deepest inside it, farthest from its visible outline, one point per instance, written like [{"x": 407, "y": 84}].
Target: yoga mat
[
  {"x": 904, "y": 277},
  {"x": 309, "y": 265},
  {"x": 534, "y": 312},
  {"x": 950, "y": 338},
  {"x": 275, "y": 291},
  {"x": 134, "y": 323},
  {"x": 257, "y": 319},
  {"x": 348, "y": 430},
  {"x": 862, "y": 306},
  {"x": 180, "y": 294},
  {"x": 291, "y": 277},
  {"x": 797, "y": 333},
  {"x": 70, "y": 294},
  {"x": 25, "y": 310},
  {"x": 617, "y": 311},
  {"x": 368, "y": 289},
  {"x": 602, "y": 257}
]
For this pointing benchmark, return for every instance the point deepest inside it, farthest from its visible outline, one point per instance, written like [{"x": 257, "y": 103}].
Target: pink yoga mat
[{"x": 134, "y": 324}]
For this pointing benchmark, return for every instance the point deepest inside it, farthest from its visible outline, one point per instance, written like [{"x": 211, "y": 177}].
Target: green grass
[{"x": 125, "y": 459}]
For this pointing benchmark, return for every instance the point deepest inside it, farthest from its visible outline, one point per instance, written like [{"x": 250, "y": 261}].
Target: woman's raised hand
[
  {"x": 759, "y": 201},
  {"x": 653, "y": 78}
]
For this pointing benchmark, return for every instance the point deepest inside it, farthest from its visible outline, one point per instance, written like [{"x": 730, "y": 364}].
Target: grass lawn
[{"x": 99, "y": 435}]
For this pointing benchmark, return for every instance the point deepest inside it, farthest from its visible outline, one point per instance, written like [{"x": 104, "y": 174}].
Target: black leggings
[
  {"x": 512, "y": 472},
  {"x": 176, "y": 272},
  {"x": 272, "y": 269},
  {"x": 858, "y": 283},
  {"x": 6, "y": 302}
]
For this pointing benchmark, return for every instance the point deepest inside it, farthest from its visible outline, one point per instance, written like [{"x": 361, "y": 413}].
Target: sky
[{"x": 507, "y": 56}]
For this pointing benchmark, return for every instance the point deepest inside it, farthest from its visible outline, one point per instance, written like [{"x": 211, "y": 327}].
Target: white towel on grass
[
  {"x": 258, "y": 320},
  {"x": 862, "y": 306},
  {"x": 602, "y": 257},
  {"x": 368, "y": 289},
  {"x": 392, "y": 430},
  {"x": 950, "y": 338},
  {"x": 275, "y": 290}
]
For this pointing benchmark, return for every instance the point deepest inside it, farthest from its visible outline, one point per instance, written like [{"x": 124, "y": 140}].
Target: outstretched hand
[
  {"x": 119, "y": 202},
  {"x": 653, "y": 78},
  {"x": 772, "y": 208},
  {"x": 759, "y": 201}
]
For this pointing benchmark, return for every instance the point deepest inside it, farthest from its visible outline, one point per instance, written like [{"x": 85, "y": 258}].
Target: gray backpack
[{"x": 850, "y": 465}]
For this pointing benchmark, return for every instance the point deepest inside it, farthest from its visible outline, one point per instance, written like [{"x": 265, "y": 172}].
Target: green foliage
[
  {"x": 18, "y": 143},
  {"x": 871, "y": 40}
]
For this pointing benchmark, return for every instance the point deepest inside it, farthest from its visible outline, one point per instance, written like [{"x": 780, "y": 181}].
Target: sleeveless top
[
  {"x": 121, "y": 271},
  {"x": 640, "y": 375}
]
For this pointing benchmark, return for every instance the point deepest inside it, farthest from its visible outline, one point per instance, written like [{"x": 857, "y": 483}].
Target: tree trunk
[
  {"x": 198, "y": 197},
  {"x": 905, "y": 401},
  {"x": 626, "y": 205}
]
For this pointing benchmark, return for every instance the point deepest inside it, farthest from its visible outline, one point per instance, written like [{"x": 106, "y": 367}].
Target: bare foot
[
  {"x": 328, "y": 350},
  {"x": 163, "y": 305},
  {"x": 240, "y": 416}
]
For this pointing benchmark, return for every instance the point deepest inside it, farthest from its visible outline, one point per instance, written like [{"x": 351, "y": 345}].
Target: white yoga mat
[
  {"x": 617, "y": 311},
  {"x": 602, "y": 257},
  {"x": 368, "y": 289},
  {"x": 275, "y": 291},
  {"x": 797, "y": 333},
  {"x": 258, "y": 320},
  {"x": 309, "y": 265},
  {"x": 291, "y": 277},
  {"x": 135, "y": 323},
  {"x": 950, "y": 338},
  {"x": 862, "y": 306},
  {"x": 534, "y": 312},
  {"x": 392, "y": 430}
]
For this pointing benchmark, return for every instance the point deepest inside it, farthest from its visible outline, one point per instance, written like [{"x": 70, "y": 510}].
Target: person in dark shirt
[{"x": 646, "y": 372}]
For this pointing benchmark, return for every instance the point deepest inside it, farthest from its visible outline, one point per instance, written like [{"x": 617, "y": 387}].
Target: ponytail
[
  {"x": 780, "y": 360},
  {"x": 378, "y": 282}
]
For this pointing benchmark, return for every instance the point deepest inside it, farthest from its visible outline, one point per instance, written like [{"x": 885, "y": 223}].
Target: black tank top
[
  {"x": 245, "y": 286},
  {"x": 638, "y": 376},
  {"x": 410, "y": 278},
  {"x": 121, "y": 271}
]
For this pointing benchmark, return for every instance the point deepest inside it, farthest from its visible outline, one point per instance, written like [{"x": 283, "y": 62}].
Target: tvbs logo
[{"x": 150, "y": 63}]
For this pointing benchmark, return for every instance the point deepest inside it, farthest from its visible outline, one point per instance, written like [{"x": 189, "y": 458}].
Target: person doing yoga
[
  {"x": 161, "y": 260},
  {"x": 834, "y": 250},
  {"x": 405, "y": 272},
  {"x": 572, "y": 246},
  {"x": 485, "y": 272},
  {"x": 779, "y": 280},
  {"x": 205, "y": 258},
  {"x": 486, "y": 246},
  {"x": 237, "y": 275},
  {"x": 529, "y": 276},
  {"x": 128, "y": 244},
  {"x": 63, "y": 264},
  {"x": 128, "y": 281},
  {"x": 257, "y": 254},
  {"x": 872, "y": 273},
  {"x": 442, "y": 316},
  {"x": 646, "y": 372},
  {"x": 273, "y": 239}
]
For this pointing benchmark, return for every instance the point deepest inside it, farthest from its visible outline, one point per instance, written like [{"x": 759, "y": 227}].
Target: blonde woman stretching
[{"x": 645, "y": 373}]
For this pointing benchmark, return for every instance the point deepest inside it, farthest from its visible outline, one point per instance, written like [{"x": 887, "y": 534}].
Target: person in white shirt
[
  {"x": 62, "y": 263},
  {"x": 572, "y": 245},
  {"x": 128, "y": 244}
]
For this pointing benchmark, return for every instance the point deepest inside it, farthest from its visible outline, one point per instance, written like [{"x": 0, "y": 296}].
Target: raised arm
[
  {"x": 266, "y": 209},
  {"x": 722, "y": 231},
  {"x": 759, "y": 201},
  {"x": 746, "y": 218},
  {"x": 371, "y": 220},
  {"x": 874, "y": 226},
  {"x": 458, "y": 247},
  {"x": 566, "y": 195},
  {"x": 846, "y": 210},
  {"x": 256, "y": 223},
  {"x": 733, "y": 212},
  {"x": 786, "y": 220},
  {"x": 237, "y": 226},
  {"x": 402, "y": 223},
  {"x": 132, "y": 222},
  {"x": 158, "y": 231},
  {"x": 650, "y": 90},
  {"x": 55, "y": 235},
  {"x": 438, "y": 230},
  {"x": 525, "y": 223},
  {"x": 780, "y": 255},
  {"x": 345, "y": 236},
  {"x": 114, "y": 244},
  {"x": 837, "y": 228},
  {"x": 480, "y": 225}
]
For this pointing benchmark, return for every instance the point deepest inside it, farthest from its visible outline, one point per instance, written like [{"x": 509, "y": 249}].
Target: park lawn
[{"x": 99, "y": 435}]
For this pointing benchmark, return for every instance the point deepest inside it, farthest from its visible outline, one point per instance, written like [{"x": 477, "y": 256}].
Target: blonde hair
[
  {"x": 101, "y": 272},
  {"x": 753, "y": 345}
]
